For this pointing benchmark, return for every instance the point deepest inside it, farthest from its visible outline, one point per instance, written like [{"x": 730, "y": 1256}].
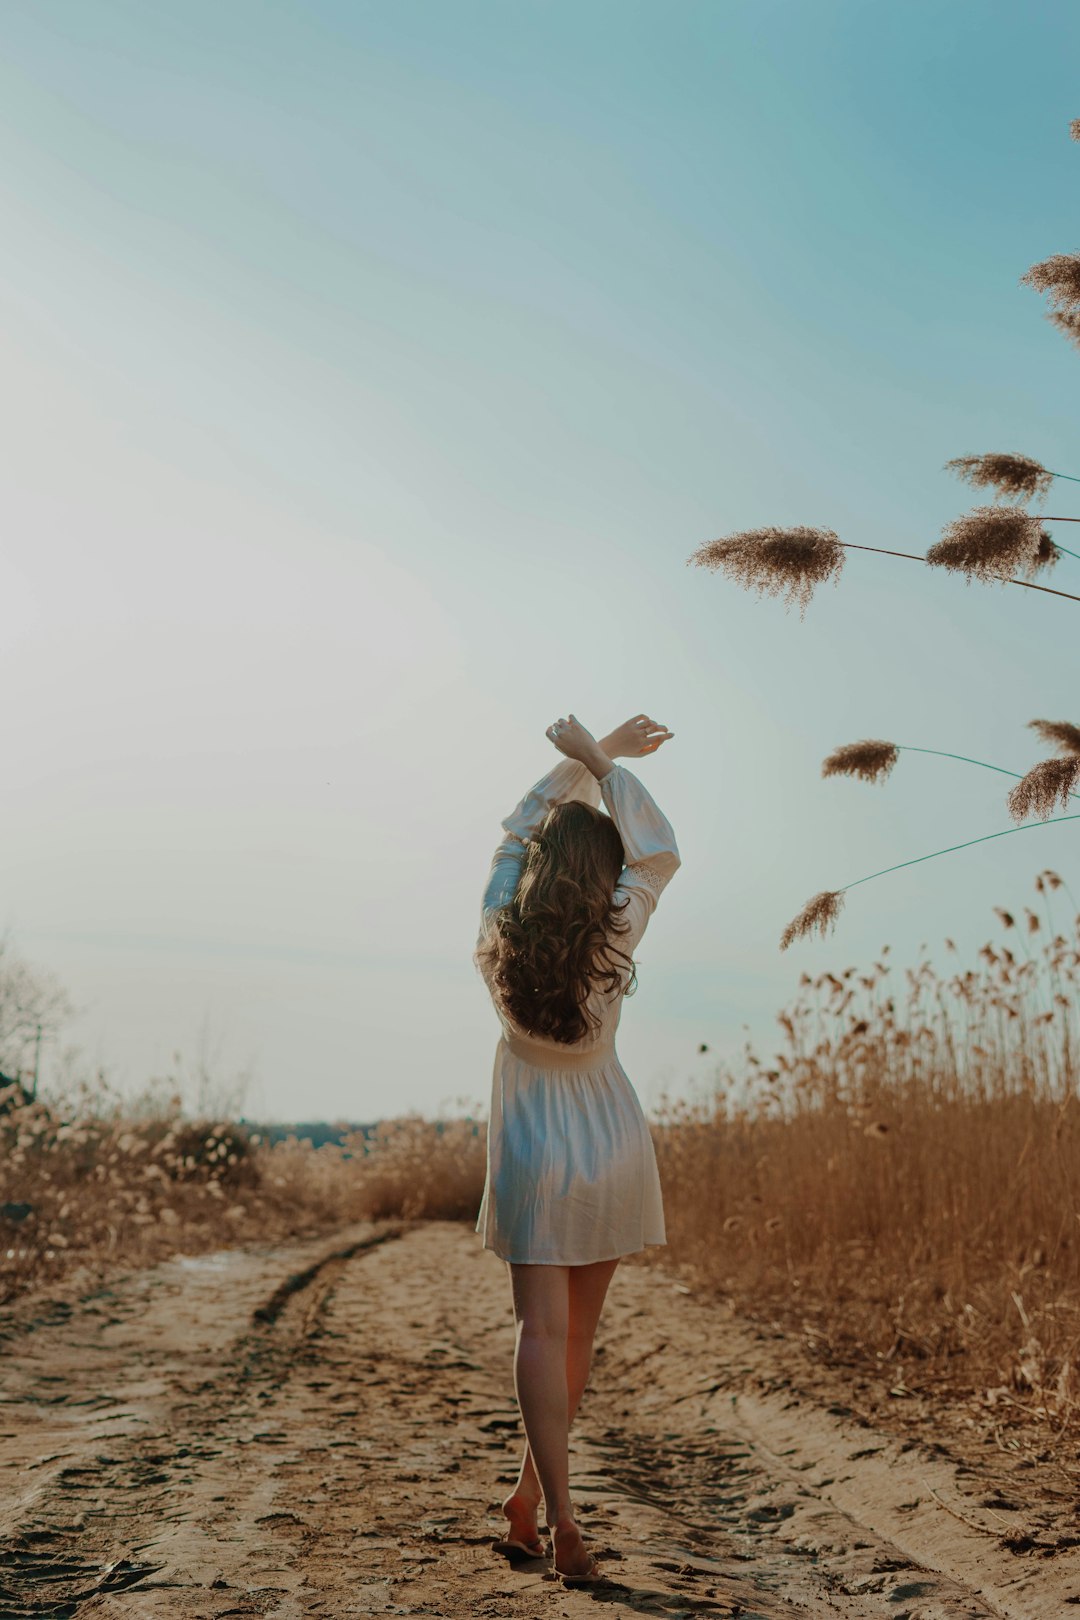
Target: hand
[
  {"x": 572, "y": 739},
  {"x": 635, "y": 738}
]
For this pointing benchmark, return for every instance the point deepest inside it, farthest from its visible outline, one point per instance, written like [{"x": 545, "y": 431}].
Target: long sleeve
[
  {"x": 567, "y": 780},
  {"x": 652, "y": 855}
]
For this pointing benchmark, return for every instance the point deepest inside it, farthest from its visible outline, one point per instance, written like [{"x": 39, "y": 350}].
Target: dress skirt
[{"x": 571, "y": 1168}]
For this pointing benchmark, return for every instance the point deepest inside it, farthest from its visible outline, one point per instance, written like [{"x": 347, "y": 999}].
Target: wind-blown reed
[
  {"x": 871, "y": 760},
  {"x": 983, "y": 542},
  {"x": 1059, "y": 278},
  {"x": 1047, "y": 784},
  {"x": 1015, "y": 477},
  {"x": 1067, "y": 322},
  {"x": 792, "y": 562},
  {"x": 787, "y": 563},
  {"x": 1061, "y": 734},
  {"x": 820, "y": 912}
]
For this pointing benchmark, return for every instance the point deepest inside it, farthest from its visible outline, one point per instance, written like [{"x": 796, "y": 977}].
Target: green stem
[
  {"x": 1051, "y": 821},
  {"x": 1060, "y": 547},
  {"x": 943, "y": 754},
  {"x": 912, "y": 556},
  {"x": 1070, "y": 476}
]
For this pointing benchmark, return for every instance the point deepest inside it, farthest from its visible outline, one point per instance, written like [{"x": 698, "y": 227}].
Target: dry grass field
[
  {"x": 903, "y": 1190},
  {"x": 899, "y": 1187}
]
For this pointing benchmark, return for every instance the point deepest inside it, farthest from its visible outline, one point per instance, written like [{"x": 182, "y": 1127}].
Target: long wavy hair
[{"x": 550, "y": 946}]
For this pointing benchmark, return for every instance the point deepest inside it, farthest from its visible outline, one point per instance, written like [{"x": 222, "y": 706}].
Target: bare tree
[{"x": 31, "y": 1001}]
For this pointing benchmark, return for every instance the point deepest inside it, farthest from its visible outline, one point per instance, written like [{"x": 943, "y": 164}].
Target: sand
[{"x": 326, "y": 1429}]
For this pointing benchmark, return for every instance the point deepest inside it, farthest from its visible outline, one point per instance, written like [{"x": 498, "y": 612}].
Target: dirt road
[{"x": 326, "y": 1430}]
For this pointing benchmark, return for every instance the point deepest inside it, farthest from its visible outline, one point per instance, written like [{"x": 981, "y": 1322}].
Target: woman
[{"x": 572, "y": 1183}]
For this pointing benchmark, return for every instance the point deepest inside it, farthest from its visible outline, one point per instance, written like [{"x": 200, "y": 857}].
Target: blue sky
[{"x": 371, "y": 372}]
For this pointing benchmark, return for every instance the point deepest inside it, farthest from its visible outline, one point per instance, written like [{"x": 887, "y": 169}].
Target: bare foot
[
  {"x": 521, "y": 1512},
  {"x": 572, "y": 1557}
]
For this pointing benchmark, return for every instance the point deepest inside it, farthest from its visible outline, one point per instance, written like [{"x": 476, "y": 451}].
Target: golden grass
[{"x": 902, "y": 1187}]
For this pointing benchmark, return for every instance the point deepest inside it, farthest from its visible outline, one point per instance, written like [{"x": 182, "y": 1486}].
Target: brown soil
[{"x": 326, "y": 1429}]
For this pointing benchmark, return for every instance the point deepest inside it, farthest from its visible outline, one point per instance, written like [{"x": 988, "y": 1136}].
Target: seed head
[
  {"x": 777, "y": 562},
  {"x": 821, "y": 912},
  {"x": 1015, "y": 477},
  {"x": 992, "y": 541},
  {"x": 1067, "y": 321},
  {"x": 1061, "y": 734},
  {"x": 870, "y": 759},
  {"x": 1058, "y": 277},
  {"x": 1074, "y": 129},
  {"x": 1045, "y": 784}
]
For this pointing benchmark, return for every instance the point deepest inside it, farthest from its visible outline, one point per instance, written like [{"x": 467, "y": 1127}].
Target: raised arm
[
  {"x": 652, "y": 855},
  {"x": 647, "y": 834},
  {"x": 569, "y": 779}
]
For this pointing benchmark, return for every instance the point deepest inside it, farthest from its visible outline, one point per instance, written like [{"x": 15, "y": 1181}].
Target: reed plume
[
  {"x": 1061, "y": 734},
  {"x": 870, "y": 759},
  {"x": 778, "y": 562},
  {"x": 1058, "y": 277},
  {"x": 1074, "y": 129},
  {"x": 991, "y": 540},
  {"x": 1015, "y": 477},
  {"x": 821, "y": 912},
  {"x": 1047, "y": 783},
  {"x": 1067, "y": 321}
]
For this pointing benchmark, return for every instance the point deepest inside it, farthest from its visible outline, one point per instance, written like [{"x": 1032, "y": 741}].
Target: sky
[{"x": 370, "y": 374}]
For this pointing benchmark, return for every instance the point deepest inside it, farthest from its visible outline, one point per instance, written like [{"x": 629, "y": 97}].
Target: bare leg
[{"x": 586, "y": 1290}]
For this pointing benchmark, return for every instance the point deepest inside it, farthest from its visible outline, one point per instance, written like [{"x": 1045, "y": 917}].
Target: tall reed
[{"x": 901, "y": 1183}]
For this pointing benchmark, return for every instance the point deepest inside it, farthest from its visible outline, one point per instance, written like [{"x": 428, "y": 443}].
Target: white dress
[{"x": 571, "y": 1169}]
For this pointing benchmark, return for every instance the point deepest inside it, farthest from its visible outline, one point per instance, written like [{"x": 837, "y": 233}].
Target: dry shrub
[
  {"x": 101, "y": 1181},
  {"x": 901, "y": 1185},
  {"x": 96, "y": 1180},
  {"x": 420, "y": 1168}
]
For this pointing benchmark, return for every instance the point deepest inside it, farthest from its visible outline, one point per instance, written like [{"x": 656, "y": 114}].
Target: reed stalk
[{"x": 822, "y": 910}]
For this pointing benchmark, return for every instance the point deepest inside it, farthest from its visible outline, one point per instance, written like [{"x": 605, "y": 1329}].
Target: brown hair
[{"x": 549, "y": 946}]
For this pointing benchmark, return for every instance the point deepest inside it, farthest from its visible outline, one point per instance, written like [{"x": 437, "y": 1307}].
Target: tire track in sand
[{"x": 327, "y": 1430}]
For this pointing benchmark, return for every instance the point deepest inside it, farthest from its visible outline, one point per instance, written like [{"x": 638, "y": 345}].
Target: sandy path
[{"x": 326, "y": 1430}]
